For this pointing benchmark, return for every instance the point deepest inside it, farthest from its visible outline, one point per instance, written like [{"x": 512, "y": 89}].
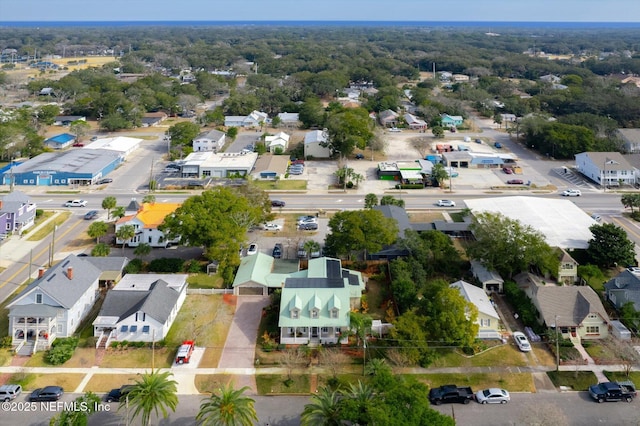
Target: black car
[
  {"x": 105, "y": 180},
  {"x": 49, "y": 393},
  {"x": 115, "y": 395},
  {"x": 92, "y": 214},
  {"x": 359, "y": 156},
  {"x": 277, "y": 251},
  {"x": 277, "y": 203}
]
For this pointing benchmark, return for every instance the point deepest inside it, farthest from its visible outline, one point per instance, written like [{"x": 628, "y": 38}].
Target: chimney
[
  {"x": 40, "y": 272},
  {"x": 70, "y": 272}
]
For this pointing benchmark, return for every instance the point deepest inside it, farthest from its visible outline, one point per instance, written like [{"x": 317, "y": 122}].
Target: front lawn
[
  {"x": 203, "y": 280},
  {"x": 138, "y": 358},
  {"x": 281, "y": 184},
  {"x": 207, "y": 383},
  {"x": 100, "y": 383},
  {"x": 29, "y": 382},
  {"x": 576, "y": 380},
  {"x": 620, "y": 376},
  {"x": 503, "y": 355},
  {"x": 48, "y": 228},
  {"x": 274, "y": 384},
  {"x": 514, "y": 382}
]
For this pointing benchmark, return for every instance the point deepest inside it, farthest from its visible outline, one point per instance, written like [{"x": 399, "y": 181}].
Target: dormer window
[
  {"x": 315, "y": 313},
  {"x": 334, "y": 313},
  {"x": 39, "y": 298},
  {"x": 295, "y": 314}
]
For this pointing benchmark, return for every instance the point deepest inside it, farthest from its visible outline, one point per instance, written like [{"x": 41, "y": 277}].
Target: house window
[
  {"x": 325, "y": 329},
  {"x": 63, "y": 181},
  {"x": 60, "y": 314},
  {"x": 39, "y": 298},
  {"x": 567, "y": 266},
  {"x": 59, "y": 328},
  {"x": 145, "y": 329},
  {"x": 124, "y": 329},
  {"x": 56, "y": 181},
  {"x": 133, "y": 329},
  {"x": 295, "y": 314},
  {"x": 334, "y": 313},
  {"x": 314, "y": 313},
  {"x": 8, "y": 227},
  {"x": 206, "y": 173},
  {"x": 594, "y": 329}
]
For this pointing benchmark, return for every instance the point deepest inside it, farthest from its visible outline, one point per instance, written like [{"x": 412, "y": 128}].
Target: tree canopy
[{"x": 610, "y": 246}]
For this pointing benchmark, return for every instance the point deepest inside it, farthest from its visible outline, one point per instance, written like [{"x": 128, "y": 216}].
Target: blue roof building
[{"x": 60, "y": 141}]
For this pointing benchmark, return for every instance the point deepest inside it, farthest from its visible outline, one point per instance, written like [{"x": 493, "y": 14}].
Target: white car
[
  {"x": 76, "y": 203},
  {"x": 493, "y": 396},
  {"x": 571, "y": 193},
  {"x": 446, "y": 203},
  {"x": 395, "y": 130},
  {"x": 522, "y": 341},
  {"x": 253, "y": 249},
  {"x": 272, "y": 227}
]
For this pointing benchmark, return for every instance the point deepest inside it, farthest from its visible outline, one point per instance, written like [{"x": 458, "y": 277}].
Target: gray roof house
[
  {"x": 624, "y": 288},
  {"x": 17, "y": 212},
  {"x": 140, "y": 308},
  {"x": 212, "y": 140},
  {"x": 490, "y": 279},
  {"x": 630, "y": 139},
  {"x": 53, "y": 305},
  {"x": 388, "y": 118}
]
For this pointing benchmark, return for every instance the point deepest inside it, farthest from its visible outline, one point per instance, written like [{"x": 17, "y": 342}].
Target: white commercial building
[
  {"x": 223, "y": 165},
  {"x": 120, "y": 144}
]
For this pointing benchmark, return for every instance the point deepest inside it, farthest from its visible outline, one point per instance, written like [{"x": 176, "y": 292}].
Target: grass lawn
[
  {"x": 274, "y": 384},
  {"x": 29, "y": 382},
  {"x": 48, "y": 228},
  {"x": 504, "y": 355},
  {"x": 423, "y": 217},
  {"x": 619, "y": 376},
  {"x": 82, "y": 357},
  {"x": 105, "y": 382},
  {"x": 514, "y": 382},
  {"x": 46, "y": 214},
  {"x": 205, "y": 281},
  {"x": 376, "y": 297},
  {"x": 5, "y": 357},
  {"x": 281, "y": 184},
  {"x": 576, "y": 380},
  {"x": 138, "y": 358},
  {"x": 206, "y": 383},
  {"x": 601, "y": 353}
]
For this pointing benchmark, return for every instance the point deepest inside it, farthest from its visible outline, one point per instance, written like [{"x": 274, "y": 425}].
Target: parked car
[
  {"x": 253, "y": 249},
  {"x": 306, "y": 219},
  {"x": 308, "y": 226},
  {"x": 78, "y": 144},
  {"x": 9, "y": 392},
  {"x": 272, "y": 227},
  {"x": 497, "y": 145},
  {"x": 493, "y": 396},
  {"x": 507, "y": 170},
  {"x": 49, "y": 393},
  {"x": 446, "y": 203},
  {"x": 515, "y": 182},
  {"x": 277, "y": 203},
  {"x": 613, "y": 391},
  {"x": 94, "y": 138},
  {"x": 596, "y": 217},
  {"x": 296, "y": 171},
  {"x": 183, "y": 356},
  {"x": 91, "y": 214},
  {"x": 76, "y": 203},
  {"x": 277, "y": 251},
  {"x": 467, "y": 139},
  {"x": 450, "y": 393},
  {"x": 359, "y": 156},
  {"x": 395, "y": 130},
  {"x": 478, "y": 140},
  {"x": 104, "y": 181},
  {"x": 453, "y": 129},
  {"x": 522, "y": 341},
  {"x": 115, "y": 395},
  {"x": 571, "y": 193},
  {"x": 302, "y": 252}
]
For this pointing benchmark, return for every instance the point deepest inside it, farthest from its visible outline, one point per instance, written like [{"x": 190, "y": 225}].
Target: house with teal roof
[
  {"x": 451, "y": 120},
  {"x": 315, "y": 303}
]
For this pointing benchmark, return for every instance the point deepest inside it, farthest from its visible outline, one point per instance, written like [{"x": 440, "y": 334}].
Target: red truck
[{"x": 184, "y": 352}]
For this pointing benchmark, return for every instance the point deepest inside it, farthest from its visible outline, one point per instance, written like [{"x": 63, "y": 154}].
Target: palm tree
[
  {"x": 311, "y": 246},
  {"x": 100, "y": 250},
  {"x": 97, "y": 229},
  {"x": 227, "y": 407},
  {"x": 108, "y": 203},
  {"x": 125, "y": 233},
  {"x": 324, "y": 409},
  {"x": 149, "y": 198},
  {"x": 142, "y": 250},
  {"x": 153, "y": 392},
  {"x": 375, "y": 366},
  {"x": 360, "y": 397}
]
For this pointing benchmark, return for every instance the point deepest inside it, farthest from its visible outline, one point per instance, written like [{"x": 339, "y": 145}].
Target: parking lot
[{"x": 289, "y": 238}]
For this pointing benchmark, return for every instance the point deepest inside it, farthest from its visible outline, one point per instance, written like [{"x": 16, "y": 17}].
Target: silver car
[{"x": 493, "y": 396}]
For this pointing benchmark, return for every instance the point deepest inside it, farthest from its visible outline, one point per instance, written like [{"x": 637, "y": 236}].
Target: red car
[
  {"x": 515, "y": 182},
  {"x": 78, "y": 144},
  {"x": 184, "y": 352},
  {"x": 507, "y": 170}
]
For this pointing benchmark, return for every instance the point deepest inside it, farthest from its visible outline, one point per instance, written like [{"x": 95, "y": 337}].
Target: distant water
[{"x": 390, "y": 24}]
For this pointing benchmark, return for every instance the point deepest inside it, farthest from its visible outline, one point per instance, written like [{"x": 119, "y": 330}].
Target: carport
[{"x": 460, "y": 159}]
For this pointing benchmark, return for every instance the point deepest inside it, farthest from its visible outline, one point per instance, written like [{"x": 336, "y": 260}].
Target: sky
[{"x": 322, "y": 10}]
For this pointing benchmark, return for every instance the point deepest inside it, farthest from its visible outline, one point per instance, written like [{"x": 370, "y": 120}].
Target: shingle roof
[
  {"x": 157, "y": 302},
  {"x": 477, "y": 296},
  {"x": 571, "y": 304}
]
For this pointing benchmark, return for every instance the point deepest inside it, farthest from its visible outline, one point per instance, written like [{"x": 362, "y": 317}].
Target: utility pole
[
  {"x": 153, "y": 349},
  {"x": 557, "y": 346}
]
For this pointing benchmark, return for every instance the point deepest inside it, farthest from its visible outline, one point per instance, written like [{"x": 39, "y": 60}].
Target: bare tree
[
  {"x": 292, "y": 358},
  {"x": 333, "y": 359},
  {"x": 625, "y": 353},
  {"x": 421, "y": 144},
  {"x": 398, "y": 358}
]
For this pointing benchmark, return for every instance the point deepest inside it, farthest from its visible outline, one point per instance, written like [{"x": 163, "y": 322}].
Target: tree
[
  {"x": 227, "y": 407},
  {"x": 97, "y": 229},
  {"x": 370, "y": 201},
  {"x": 118, "y": 212},
  {"x": 624, "y": 352},
  {"x": 183, "y": 133},
  {"x": 610, "y": 246},
  {"x": 100, "y": 250},
  {"x": 410, "y": 338},
  {"x": 359, "y": 230},
  {"x": 153, "y": 392},
  {"x": 311, "y": 246},
  {"x": 323, "y": 410},
  {"x": 421, "y": 144},
  {"x": 390, "y": 200},
  {"x": 142, "y": 250},
  {"x": 437, "y": 131},
  {"x": 149, "y": 198},
  {"x": 510, "y": 247},
  {"x": 439, "y": 175},
  {"x": 125, "y": 233},
  {"x": 291, "y": 358},
  {"x": 333, "y": 359},
  {"x": 86, "y": 406},
  {"x": 630, "y": 201},
  {"x": 79, "y": 128},
  {"x": 109, "y": 203},
  {"x": 357, "y": 403},
  {"x": 348, "y": 129}
]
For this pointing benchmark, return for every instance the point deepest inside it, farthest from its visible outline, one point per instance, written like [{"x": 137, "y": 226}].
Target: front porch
[
  {"x": 32, "y": 334},
  {"x": 311, "y": 335}
]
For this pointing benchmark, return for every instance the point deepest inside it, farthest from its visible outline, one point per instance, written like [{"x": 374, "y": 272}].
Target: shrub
[
  {"x": 61, "y": 350},
  {"x": 525, "y": 308},
  {"x": 166, "y": 265},
  {"x": 6, "y": 342},
  {"x": 39, "y": 213},
  {"x": 410, "y": 186},
  {"x": 133, "y": 267},
  {"x": 194, "y": 267}
]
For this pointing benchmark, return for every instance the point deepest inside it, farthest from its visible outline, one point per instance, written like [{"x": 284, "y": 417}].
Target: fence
[{"x": 209, "y": 291}]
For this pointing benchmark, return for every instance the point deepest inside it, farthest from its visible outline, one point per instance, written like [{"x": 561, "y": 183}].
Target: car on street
[
  {"x": 507, "y": 170},
  {"x": 253, "y": 249},
  {"x": 78, "y": 144},
  {"x": 571, "y": 193},
  {"x": 277, "y": 251},
  {"x": 115, "y": 395},
  {"x": 522, "y": 341},
  {"x": 105, "y": 181},
  {"x": 308, "y": 226},
  {"x": 596, "y": 217},
  {"x": 446, "y": 203},
  {"x": 515, "y": 182},
  {"x": 613, "y": 391},
  {"x": 497, "y": 145},
  {"x": 48, "y": 393},
  {"x": 395, "y": 130},
  {"x": 93, "y": 138},
  {"x": 493, "y": 396},
  {"x": 277, "y": 203},
  {"x": 272, "y": 227},
  {"x": 478, "y": 140},
  {"x": 451, "y": 394},
  {"x": 91, "y": 214},
  {"x": 76, "y": 203},
  {"x": 9, "y": 392}
]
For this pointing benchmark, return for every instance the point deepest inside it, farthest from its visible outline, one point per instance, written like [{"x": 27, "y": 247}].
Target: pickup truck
[
  {"x": 184, "y": 352},
  {"x": 451, "y": 393},
  {"x": 613, "y": 391}
]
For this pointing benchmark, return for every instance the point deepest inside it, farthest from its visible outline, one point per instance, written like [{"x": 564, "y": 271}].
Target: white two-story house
[
  {"x": 146, "y": 222},
  {"x": 212, "y": 140},
  {"x": 606, "y": 168}
]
